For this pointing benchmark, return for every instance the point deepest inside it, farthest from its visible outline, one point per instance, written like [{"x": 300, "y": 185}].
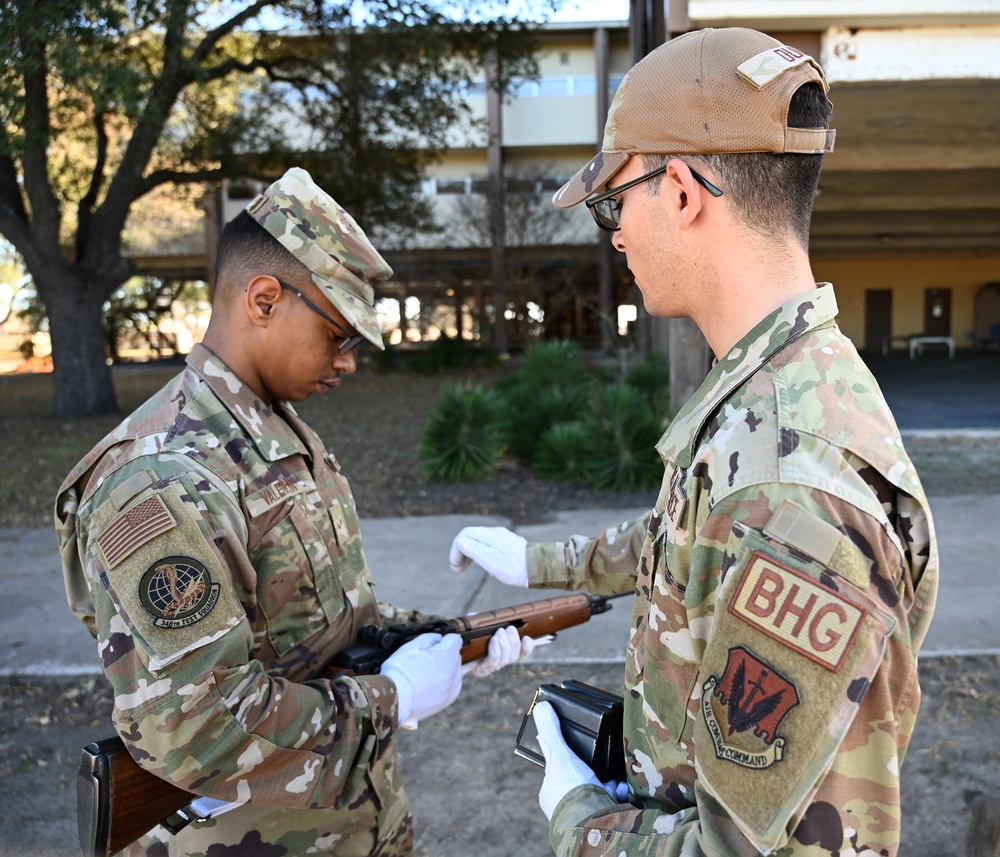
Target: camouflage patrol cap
[
  {"x": 707, "y": 92},
  {"x": 322, "y": 236}
]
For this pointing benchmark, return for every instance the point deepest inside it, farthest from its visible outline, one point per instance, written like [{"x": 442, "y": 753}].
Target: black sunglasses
[
  {"x": 351, "y": 340},
  {"x": 606, "y": 210}
]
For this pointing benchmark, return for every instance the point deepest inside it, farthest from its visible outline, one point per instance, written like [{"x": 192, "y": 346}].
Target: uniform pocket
[
  {"x": 296, "y": 586},
  {"x": 662, "y": 663}
]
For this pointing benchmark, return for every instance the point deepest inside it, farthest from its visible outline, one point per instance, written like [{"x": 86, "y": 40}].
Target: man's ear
[
  {"x": 261, "y": 297},
  {"x": 689, "y": 195}
]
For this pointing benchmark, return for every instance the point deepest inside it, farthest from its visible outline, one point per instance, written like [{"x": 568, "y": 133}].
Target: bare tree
[{"x": 531, "y": 222}]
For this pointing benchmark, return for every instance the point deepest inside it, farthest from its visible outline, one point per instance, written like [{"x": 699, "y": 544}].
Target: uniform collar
[
  {"x": 270, "y": 434},
  {"x": 771, "y": 334}
]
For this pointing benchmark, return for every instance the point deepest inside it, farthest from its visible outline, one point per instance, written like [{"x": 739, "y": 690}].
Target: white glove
[
  {"x": 564, "y": 770},
  {"x": 427, "y": 672},
  {"x": 499, "y": 551},
  {"x": 504, "y": 649}
]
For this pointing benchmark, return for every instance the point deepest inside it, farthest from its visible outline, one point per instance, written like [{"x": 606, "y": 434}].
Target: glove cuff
[{"x": 404, "y": 693}]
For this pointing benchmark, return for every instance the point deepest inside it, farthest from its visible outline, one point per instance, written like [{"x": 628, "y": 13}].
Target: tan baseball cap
[
  {"x": 313, "y": 227},
  {"x": 707, "y": 92}
]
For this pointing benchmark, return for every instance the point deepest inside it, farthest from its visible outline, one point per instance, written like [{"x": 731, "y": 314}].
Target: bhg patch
[
  {"x": 797, "y": 611},
  {"x": 178, "y": 591},
  {"x": 743, "y": 709}
]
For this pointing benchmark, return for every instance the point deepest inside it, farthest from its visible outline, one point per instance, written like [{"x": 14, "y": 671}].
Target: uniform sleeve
[
  {"x": 604, "y": 565},
  {"x": 803, "y": 616},
  {"x": 191, "y": 700}
]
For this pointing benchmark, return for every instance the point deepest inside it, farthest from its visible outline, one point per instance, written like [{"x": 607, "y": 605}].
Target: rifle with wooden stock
[{"x": 118, "y": 801}]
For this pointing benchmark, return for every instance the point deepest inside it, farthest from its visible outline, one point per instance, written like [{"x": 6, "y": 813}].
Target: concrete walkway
[{"x": 409, "y": 559}]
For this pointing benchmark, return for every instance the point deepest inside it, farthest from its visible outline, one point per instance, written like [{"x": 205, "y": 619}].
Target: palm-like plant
[{"x": 461, "y": 440}]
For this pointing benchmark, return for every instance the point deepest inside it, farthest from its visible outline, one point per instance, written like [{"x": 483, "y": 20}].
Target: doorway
[
  {"x": 937, "y": 312},
  {"x": 878, "y": 318}
]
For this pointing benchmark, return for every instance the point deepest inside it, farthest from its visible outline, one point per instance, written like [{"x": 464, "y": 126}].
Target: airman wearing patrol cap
[
  {"x": 213, "y": 548},
  {"x": 787, "y": 573},
  {"x": 314, "y": 228}
]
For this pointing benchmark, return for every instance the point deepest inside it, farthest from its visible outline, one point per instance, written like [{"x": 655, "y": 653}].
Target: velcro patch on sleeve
[
  {"x": 795, "y": 610},
  {"x": 133, "y": 528}
]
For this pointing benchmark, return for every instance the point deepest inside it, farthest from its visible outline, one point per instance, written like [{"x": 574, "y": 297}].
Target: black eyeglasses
[
  {"x": 351, "y": 340},
  {"x": 606, "y": 210}
]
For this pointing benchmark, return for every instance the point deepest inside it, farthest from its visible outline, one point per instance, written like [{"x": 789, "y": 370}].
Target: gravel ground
[{"x": 469, "y": 792}]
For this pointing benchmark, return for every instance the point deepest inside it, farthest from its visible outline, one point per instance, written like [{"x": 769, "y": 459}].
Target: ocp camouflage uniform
[
  {"x": 213, "y": 548},
  {"x": 785, "y": 581}
]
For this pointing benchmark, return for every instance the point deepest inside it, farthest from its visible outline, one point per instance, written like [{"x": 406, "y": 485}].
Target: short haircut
[
  {"x": 772, "y": 194},
  {"x": 247, "y": 250}
]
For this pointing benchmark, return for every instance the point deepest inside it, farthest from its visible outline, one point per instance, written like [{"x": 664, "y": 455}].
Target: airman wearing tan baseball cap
[
  {"x": 753, "y": 721},
  {"x": 710, "y": 91}
]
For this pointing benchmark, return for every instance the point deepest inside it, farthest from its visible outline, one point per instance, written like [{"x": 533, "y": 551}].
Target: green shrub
[
  {"x": 554, "y": 415},
  {"x": 530, "y": 410},
  {"x": 551, "y": 387},
  {"x": 622, "y": 435},
  {"x": 563, "y": 451},
  {"x": 461, "y": 440},
  {"x": 554, "y": 363},
  {"x": 651, "y": 376}
]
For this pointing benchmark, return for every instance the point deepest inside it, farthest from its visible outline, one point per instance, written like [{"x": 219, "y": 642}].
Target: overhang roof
[{"x": 916, "y": 170}]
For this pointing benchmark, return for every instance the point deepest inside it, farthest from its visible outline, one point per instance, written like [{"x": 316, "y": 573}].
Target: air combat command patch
[
  {"x": 744, "y": 708},
  {"x": 178, "y": 591}
]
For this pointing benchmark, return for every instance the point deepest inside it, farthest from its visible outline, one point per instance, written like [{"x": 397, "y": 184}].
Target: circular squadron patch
[{"x": 178, "y": 591}]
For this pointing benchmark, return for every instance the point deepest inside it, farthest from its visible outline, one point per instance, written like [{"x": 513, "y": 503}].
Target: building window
[
  {"x": 554, "y": 86},
  {"x": 522, "y": 185},
  {"x": 451, "y": 186}
]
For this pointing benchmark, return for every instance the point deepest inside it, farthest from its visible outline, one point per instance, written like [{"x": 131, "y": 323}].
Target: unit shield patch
[
  {"x": 744, "y": 708},
  {"x": 178, "y": 591}
]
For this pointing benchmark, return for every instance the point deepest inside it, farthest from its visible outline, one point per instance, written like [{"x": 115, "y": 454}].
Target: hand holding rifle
[{"x": 118, "y": 801}]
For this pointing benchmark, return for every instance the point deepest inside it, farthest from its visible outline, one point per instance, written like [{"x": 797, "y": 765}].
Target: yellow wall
[{"x": 907, "y": 278}]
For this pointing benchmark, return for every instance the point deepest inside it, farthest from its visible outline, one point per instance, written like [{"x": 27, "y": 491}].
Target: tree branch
[
  {"x": 13, "y": 215},
  {"x": 86, "y": 205},
  {"x": 213, "y": 37},
  {"x": 232, "y": 65},
  {"x": 161, "y": 177},
  {"x": 176, "y": 73}
]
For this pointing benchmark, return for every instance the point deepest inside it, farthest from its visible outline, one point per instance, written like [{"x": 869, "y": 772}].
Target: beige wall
[{"x": 908, "y": 278}]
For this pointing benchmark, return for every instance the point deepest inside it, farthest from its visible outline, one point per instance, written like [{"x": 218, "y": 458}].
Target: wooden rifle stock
[{"x": 118, "y": 801}]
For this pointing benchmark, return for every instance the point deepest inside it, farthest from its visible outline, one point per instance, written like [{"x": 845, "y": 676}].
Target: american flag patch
[{"x": 132, "y": 529}]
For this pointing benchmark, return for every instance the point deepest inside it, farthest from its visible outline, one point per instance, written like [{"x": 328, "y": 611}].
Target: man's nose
[
  {"x": 617, "y": 241},
  {"x": 347, "y": 362}
]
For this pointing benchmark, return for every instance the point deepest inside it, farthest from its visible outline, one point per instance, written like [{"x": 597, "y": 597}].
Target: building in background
[{"x": 907, "y": 221}]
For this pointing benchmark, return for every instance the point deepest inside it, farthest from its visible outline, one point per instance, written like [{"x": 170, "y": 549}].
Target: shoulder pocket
[
  {"x": 793, "y": 649},
  {"x": 157, "y": 563}
]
